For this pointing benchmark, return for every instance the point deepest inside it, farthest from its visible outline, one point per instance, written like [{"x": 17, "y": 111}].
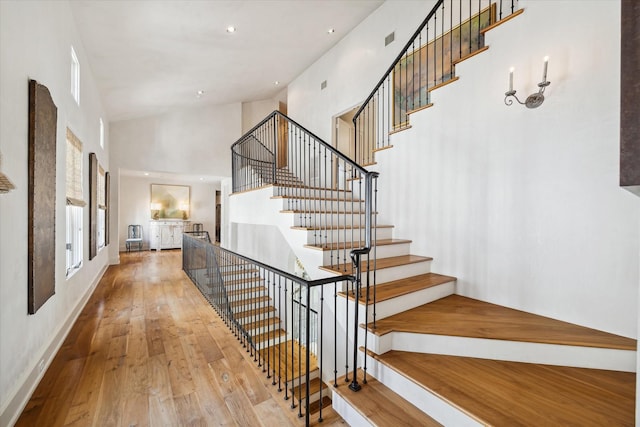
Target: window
[
  {"x": 75, "y": 76},
  {"x": 101, "y": 133},
  {"x": 75, "y": 203},
  {"x": 102, "y": 208}
]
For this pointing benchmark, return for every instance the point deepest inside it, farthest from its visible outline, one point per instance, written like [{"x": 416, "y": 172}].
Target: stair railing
[
  {"x": 452, "y": 31},
  {"x": 328, "y": 193},
  {"x": 278, "y": 317}
]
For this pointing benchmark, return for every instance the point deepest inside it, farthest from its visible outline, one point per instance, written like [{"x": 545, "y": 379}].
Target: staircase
[{"x": 428, "y": 355}]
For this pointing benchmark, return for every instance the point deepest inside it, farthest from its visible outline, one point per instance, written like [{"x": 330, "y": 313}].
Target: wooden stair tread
[
  {"x": 262, "y": 323},
  {"x": 270, "y": 335},
  {"x": 240, "y": 271},
  {"x": 381, "y": 406},
  {"x": 460, "y": 316},
  {"x": 349, "y": 245},
  {"x": 244, "y": 281},
  {"x": 389, "y": 290},
  {"x": 502, "y": 21},
  {"x": 252, "y": 312},
  {"x": 241, "y": 291},
  {"x": 381, "y": 263},
  {"x": 288, "y": 359},
  {"x": 337, "y": 227},
  {"x": 513, "y": 393},
  {"x": 315, "y": 406},
  {"x": 300, "y": 392},
  {"x": 241, "y": 302}
]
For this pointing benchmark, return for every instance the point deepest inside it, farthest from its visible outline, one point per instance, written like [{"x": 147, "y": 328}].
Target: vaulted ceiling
[{"x": 151, "y": 56}]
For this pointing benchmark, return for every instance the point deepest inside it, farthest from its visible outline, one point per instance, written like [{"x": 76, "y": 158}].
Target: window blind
[{"x": 74, "y": 170}]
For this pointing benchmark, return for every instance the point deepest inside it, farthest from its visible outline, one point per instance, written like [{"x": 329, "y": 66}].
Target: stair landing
[{"x": 511, "y": 393}]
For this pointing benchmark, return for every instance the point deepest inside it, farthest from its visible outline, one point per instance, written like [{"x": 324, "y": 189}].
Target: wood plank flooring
[
  {"x": 456, "y": 315},
  {"x": 148, "y": 350}
]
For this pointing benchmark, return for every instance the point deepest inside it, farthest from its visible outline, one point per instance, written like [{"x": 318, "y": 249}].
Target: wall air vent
[
  {"x": 389, "y": 39},
  {"x": 323, "y": 85}
]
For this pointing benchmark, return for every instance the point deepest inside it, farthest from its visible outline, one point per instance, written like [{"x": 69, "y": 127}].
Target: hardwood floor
[{"x": 148, "y": 350}]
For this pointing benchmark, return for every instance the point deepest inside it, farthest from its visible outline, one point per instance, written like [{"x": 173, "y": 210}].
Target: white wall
[
  {"x": 523, "y": 206},
  {"x": 354, "y": 66},
  {"x": 188, "y": 141},
  {"x": 35, "y": 40},
  {"x": 136, "y": 200},
  {"x": 254, "y": 112}
]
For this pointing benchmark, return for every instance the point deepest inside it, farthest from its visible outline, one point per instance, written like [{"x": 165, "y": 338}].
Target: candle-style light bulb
[
  {"x": 511, "y": 79},
  {"x": 544, "y": 73}
]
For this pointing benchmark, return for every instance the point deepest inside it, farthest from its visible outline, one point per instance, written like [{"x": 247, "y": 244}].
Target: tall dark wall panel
[
  {"x": 43, "y": 118},
  {"x": 630, "y": 97}
]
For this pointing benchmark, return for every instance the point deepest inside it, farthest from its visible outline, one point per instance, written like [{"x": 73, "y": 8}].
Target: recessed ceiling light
[
  {"x": 201, "y": 179},
  {"x": 146, "y": 174},
  {"x": 331, "y": 31},
  {"x": 276, "y": 83},
  {"x": 199, "y": 93},
  {"x": 231, "y": 29}
]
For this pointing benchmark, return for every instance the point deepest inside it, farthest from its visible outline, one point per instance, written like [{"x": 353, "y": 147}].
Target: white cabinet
[{"x": 166, "y": 234}]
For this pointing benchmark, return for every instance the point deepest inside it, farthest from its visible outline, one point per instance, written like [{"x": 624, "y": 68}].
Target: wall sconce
[
  {"x": 184, "y": 207},
  {"x": 155, "y": 208},
  {"x": 535, "y": 99}
]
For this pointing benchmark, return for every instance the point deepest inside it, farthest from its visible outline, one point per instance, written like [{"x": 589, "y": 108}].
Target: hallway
[{"x": 148, "y": 350}]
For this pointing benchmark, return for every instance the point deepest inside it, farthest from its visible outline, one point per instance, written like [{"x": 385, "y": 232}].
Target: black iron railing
[
  {"x": 280, "y": 318},
  {"x": 451, "y": 32},
  {"x": 328, "y": 193}
]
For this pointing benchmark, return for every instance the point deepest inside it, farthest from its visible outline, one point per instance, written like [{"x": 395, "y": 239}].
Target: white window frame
[
  {"x": 101, "y": 133},
  {"x": 74, "y": 239},
  {"x": 75, "y": 76}
]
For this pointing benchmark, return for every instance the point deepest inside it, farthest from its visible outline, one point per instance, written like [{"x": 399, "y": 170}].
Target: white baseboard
[{"x": 10, "y": 413}]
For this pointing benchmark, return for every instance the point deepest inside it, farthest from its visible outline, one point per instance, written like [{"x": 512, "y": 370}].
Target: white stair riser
[
  {"x": 513, "y": 351},
  {"x": 314, "y": 396},
  {"x": 424, "y": 400},
  {"x": 325, "y": 219},
  {"x": 322, "y": 205},
  {"x": 406, "y": 302},
  {"x": 383, "y": 251},
  {"x": 311, "y": 192},
  {"x": 263, "y": 329},
  {"x": 331, "y": 236},
  {"x": 400, "y": 272},
  {"x": 352, "y": 417},
  {"x": 250, "y": 319}
]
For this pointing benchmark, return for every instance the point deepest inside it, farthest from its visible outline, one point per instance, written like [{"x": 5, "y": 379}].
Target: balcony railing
[{"x": 280, "y": 318}]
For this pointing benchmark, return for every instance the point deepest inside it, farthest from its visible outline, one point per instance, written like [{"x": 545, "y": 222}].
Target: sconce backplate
[{"x": 534, "y": 100}]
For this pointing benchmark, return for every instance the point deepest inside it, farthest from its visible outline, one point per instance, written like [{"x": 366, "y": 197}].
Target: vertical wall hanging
[
  {"x": 629, "y": 97},
  {"x": 43, "y": 118},
  {"x": 107, "y": 190}
]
